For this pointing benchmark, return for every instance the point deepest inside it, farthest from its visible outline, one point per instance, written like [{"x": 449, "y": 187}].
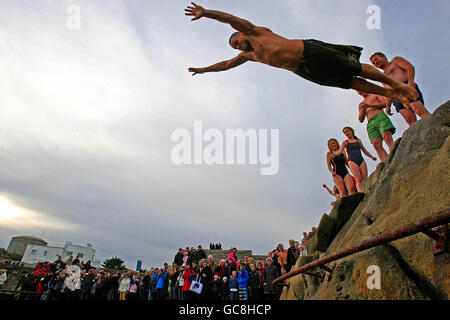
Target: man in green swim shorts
[{"x": 379, "y": 126}]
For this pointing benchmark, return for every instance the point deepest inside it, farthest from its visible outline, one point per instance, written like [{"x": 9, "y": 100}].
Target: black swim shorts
[{"x": 330, "y": 65}]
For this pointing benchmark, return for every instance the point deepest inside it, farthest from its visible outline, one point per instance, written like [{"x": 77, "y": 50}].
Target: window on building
[
  {"x": 33, "y": 252},
  {"x": 69, "y": 253},
  {"x": 80, "y": 255},
  {"x": 45, "y": 253}
]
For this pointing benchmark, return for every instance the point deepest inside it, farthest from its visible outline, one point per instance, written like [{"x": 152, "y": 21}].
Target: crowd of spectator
[{"x": 228, "y": 279}]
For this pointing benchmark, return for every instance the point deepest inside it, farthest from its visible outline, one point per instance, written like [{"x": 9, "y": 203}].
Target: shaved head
[
  {"x": 232, "y": 36},
  {"x": 381, "y": 54}
]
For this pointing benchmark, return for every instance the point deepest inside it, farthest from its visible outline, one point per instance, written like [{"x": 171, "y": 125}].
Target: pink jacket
[{"x": 232, "y": 258}]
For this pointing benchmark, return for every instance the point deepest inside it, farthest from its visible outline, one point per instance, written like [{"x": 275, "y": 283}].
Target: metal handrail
[
  {"x": 422, "y": 225},
  {"x": 23, "y": 291}
]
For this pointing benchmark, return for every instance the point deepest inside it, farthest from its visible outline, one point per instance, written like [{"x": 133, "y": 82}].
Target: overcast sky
[{"x": 86, "y": 117}]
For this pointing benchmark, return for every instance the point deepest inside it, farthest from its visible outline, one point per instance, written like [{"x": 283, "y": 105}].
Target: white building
[{"x": 39, "y": 253}]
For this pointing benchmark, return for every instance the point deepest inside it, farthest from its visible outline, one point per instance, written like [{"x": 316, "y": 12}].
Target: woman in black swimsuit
[
  {"x": 337, "y": 166},
  {"x": 353, "y": 147}
]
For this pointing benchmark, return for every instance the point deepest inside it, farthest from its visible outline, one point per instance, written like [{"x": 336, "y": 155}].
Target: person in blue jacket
[
  {"x": 243, "y": 282},
  {"x": 160, "y": 284}
]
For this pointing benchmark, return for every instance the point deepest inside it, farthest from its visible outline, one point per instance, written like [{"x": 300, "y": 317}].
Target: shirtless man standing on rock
[
  {"x": 401, "y": 70},
  {"x": 379, "y": 126},
  {"x": 322, "y": 63}
]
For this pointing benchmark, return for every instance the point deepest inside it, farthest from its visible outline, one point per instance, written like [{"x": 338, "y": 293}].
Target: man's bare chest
[{"x": 395, "y": 71}]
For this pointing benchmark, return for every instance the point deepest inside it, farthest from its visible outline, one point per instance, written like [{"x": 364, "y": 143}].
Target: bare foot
[
  {"x": 394, "y": 95},
  {"x": 403, "y": 100},
  {"x": 407, "y": 91}
]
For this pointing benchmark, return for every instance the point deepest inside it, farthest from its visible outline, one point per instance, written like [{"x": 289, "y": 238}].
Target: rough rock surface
[{"x": 413, "y": 183}]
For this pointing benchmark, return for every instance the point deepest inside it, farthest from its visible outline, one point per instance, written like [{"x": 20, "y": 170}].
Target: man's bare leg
[
  {"x": 419, "y": 109},
  {"x": 378, "y": 146},
  {"x": 387, "y": 137},
  {"x": 409, "y": 116},
  {"x": 372, "y": 73},
  {"x": 362, "y": 85}
]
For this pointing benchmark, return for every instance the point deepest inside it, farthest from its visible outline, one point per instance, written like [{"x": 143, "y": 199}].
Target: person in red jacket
[{"x": 187, "y": 284}]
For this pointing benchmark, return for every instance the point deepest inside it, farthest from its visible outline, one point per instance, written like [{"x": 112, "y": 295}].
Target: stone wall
[{"x": 240, "y": 254}]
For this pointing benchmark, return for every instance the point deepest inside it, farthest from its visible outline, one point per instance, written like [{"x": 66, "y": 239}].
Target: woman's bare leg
[
  {"x": 355, "y": 169},
  {"x": 349, "y": 184},
  {"x": 339, "y": 183},
  {"x": 363, "y": 171}
]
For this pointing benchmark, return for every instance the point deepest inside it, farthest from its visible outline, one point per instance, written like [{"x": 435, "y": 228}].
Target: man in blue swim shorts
[{"x": 402, "y": 70}]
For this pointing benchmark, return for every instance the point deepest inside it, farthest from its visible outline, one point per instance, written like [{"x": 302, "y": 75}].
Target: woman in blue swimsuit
[
  {"x": 338, "y": 168},
  {"x": 353, "y": 147}
]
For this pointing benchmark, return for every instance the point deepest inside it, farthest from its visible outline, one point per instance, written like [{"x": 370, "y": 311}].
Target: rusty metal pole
[
  {"x": 432, "y": 234},
  {"x": 437, "y": 219},
  {"x": 315, "y": 274},
  {"x": 329, "y": 270}
]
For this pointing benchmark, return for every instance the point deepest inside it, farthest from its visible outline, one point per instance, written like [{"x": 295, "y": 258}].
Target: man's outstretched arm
[
  {"x": 239, "y": 24},
  {"x": 224, "y": 65}
]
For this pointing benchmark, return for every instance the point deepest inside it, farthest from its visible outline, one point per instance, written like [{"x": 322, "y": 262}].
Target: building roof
[{"x": 30, "y": 238}]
